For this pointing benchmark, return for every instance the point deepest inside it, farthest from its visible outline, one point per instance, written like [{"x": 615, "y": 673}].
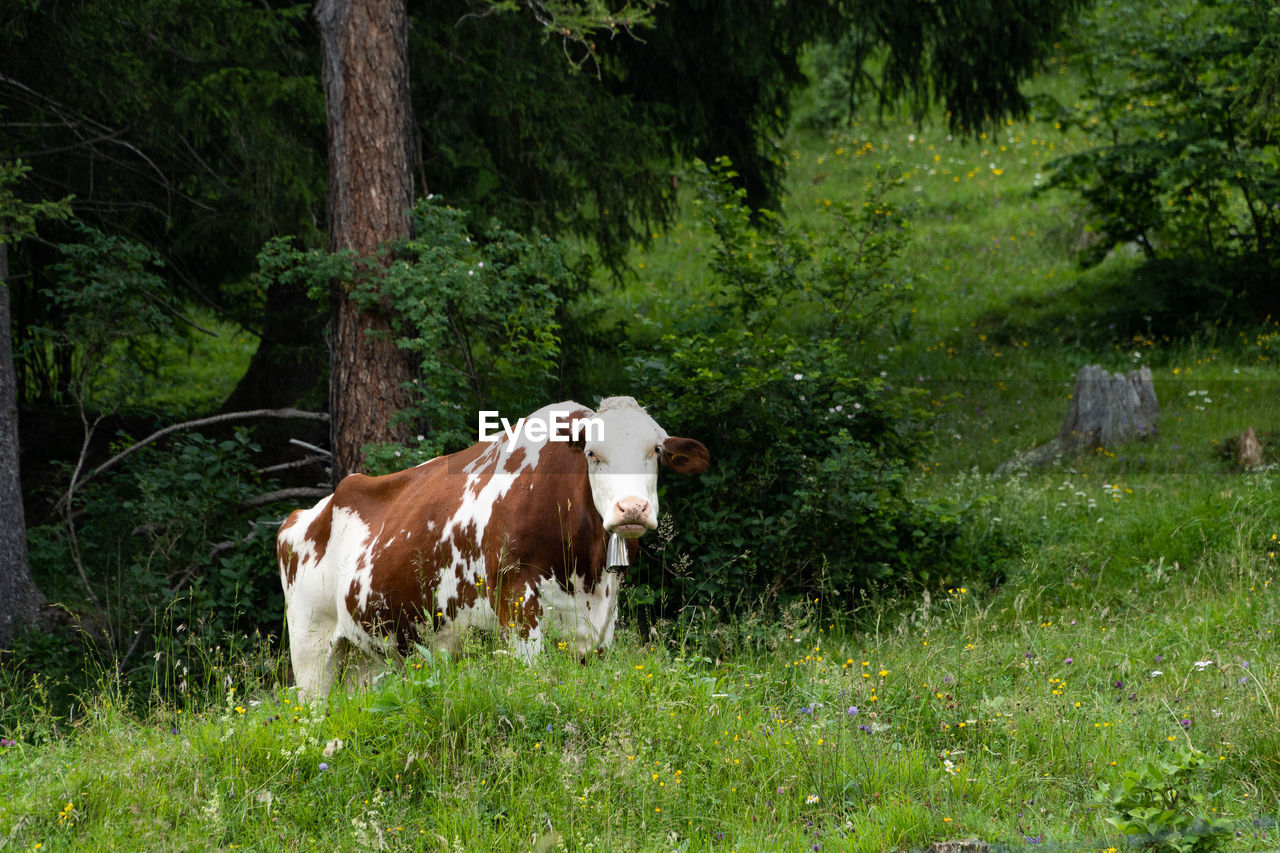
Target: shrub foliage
[
  {"x": 170, "y": 546},
  {"x": 481, "y": 309},
  {"x": 1180, "y": 100},
  {"x": 810, "y": 447}
]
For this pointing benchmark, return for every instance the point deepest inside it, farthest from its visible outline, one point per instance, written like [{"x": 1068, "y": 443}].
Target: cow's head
[{"x": 624, "y": 447}]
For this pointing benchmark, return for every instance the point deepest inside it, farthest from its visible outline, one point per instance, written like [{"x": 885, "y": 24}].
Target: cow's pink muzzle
[{"x": 632, "y": 517}]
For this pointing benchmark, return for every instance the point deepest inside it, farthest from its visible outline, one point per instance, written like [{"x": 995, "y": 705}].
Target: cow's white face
[
  {"x": 622, "y": 466},
  {"x": 623, "y": 455}
]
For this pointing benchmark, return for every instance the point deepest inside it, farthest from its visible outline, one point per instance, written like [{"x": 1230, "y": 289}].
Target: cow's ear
[{"x": 685, "y": 455}]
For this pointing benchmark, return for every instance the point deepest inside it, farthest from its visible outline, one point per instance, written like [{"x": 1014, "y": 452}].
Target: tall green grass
[{"x": 970, "y": 713}]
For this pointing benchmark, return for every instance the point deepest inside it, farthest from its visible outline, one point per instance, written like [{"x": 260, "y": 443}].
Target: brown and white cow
[{"x": 507, "y": 535}]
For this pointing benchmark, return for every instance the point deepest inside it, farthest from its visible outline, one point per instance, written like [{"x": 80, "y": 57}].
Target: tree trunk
[
  {"x": 21, "y": 601},
  {"x": 287, "y": 370},
  {"x": 366, "y": 84},
  {"x": 289, "y": 362},
  {"x": 1105, "y": 411}
]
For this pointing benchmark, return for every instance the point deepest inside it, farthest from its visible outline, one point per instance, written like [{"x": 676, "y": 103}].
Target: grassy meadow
[{"x": 1135, "y": 620}]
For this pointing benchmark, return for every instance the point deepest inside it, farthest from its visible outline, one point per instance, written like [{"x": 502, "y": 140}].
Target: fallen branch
[
  {"x": 253, "y": 501},
  {"x": 66, "y": 503},
  {"x": 285, "y": 494},
  {"x": 73, "y": 541},
  {"x": 296, "y": 463},
  {"x": 319, "y": 450},
  {"x": 296, "y": 414}
]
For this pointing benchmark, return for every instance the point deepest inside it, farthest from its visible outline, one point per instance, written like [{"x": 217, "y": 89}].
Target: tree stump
[
  {"x": 1106, "y": 410},
  {"x": 962, "y": 845},
  {"x": 1249, "y": 456}
]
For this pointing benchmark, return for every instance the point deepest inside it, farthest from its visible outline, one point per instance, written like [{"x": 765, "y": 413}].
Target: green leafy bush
[
  {"x": 480, "y": 308},
  {"x": 1180, "y": 102},
  {"x": 481, "y": 311},
  {"x": 1155, "y": 808},
  {"x": 172, "y": 541},
  {"x": 807, "y": 490}
]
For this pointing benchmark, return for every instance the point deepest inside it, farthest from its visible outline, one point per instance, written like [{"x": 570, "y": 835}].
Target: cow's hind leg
[{"x": 316, "y": 654}]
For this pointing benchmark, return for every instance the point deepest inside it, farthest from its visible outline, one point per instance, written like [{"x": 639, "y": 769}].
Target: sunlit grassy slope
[
  {"x": 184, "y": 375},
  {"x": 998, "y": 315}
]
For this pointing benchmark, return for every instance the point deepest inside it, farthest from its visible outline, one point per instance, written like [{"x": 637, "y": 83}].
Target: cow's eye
[{"x": 591, "y": 456}]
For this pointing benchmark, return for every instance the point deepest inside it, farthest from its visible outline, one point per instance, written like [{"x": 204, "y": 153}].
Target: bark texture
[
  {"x": 20, "y": 600},
  {"x": 1106, "y": 410},
  {"x": 366, "y": 82}
]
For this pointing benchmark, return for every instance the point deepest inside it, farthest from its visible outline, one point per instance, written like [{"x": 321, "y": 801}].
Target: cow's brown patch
[
  {"x": 465, "y": 542},
  {"x": 286, "y": 554},
  {"x": 514, "y": 460},
  {"x": 318, "y": 531}
]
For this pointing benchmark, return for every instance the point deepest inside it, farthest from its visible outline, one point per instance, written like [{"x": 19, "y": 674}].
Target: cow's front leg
[
  {"x": 527, "y": 647},
  {"x": 524, "y": 627}
]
